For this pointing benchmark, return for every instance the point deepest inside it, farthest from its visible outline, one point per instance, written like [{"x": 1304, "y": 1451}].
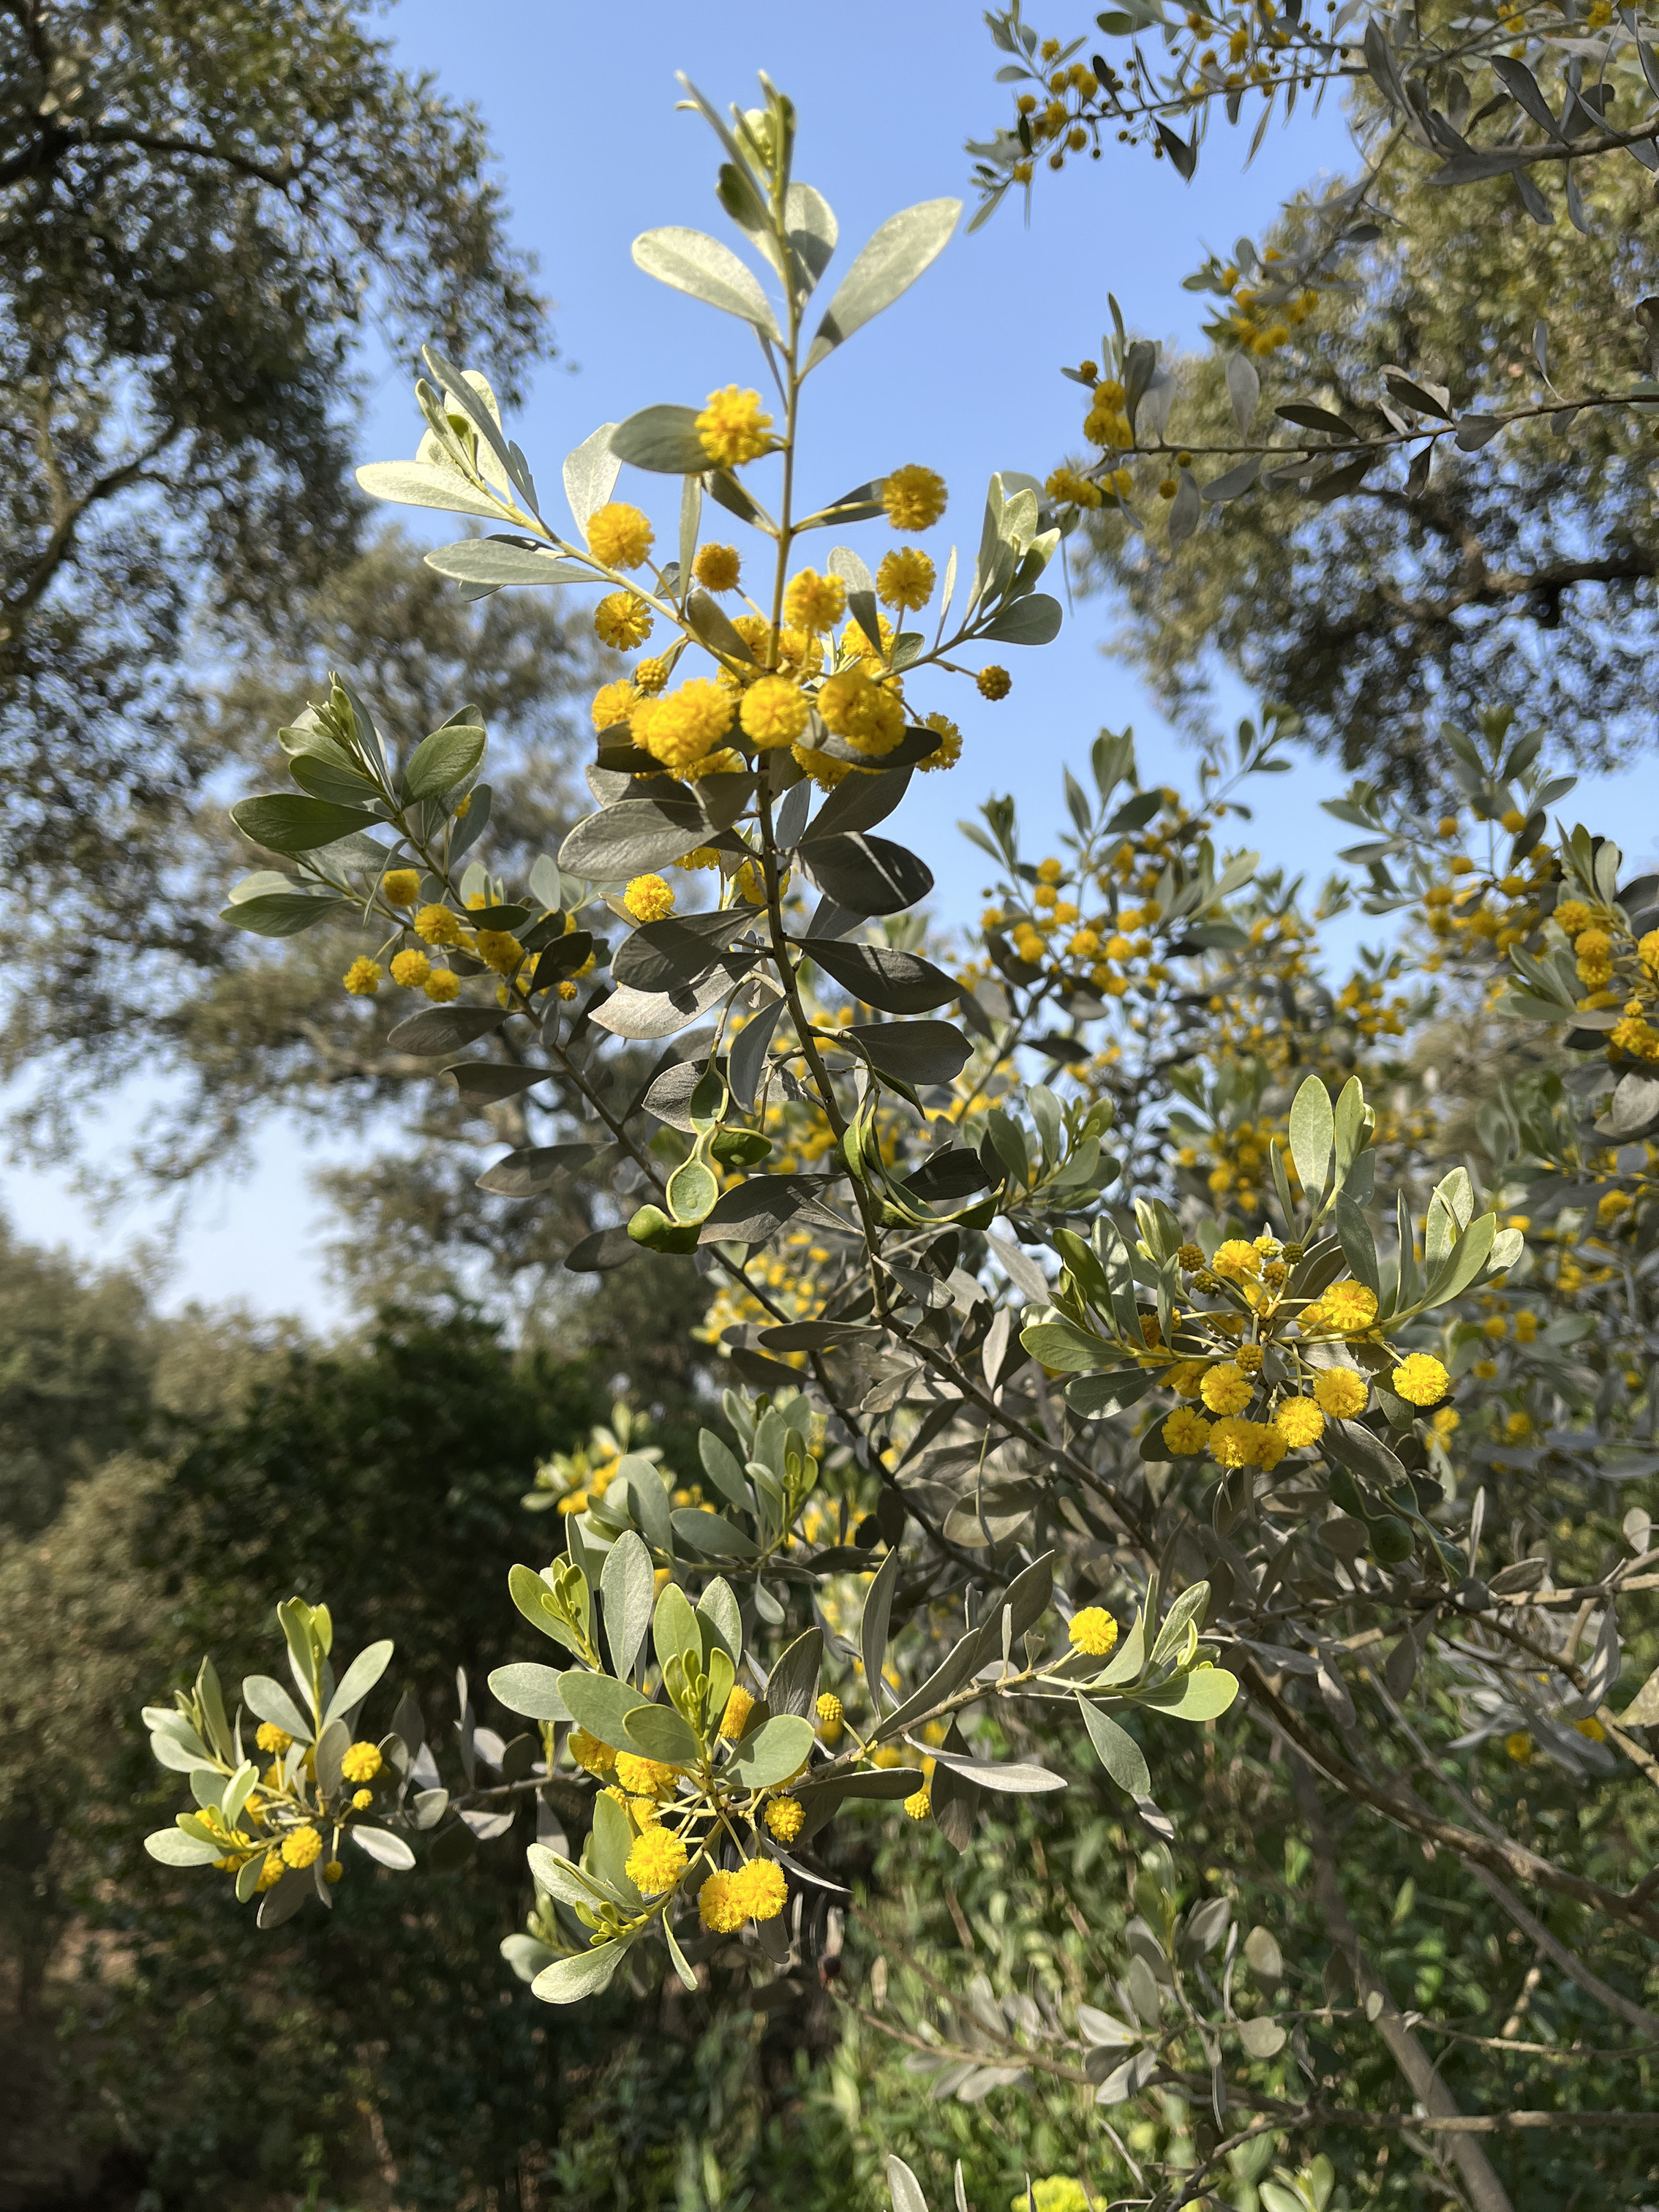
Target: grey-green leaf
[
  {"x": 568, "y": 1980},
  {"x": 905, "y": 245},
  {"x": 448, "y": 757},
  {"x": 360, "y": 1678},
  {"x": 694, "y": 263},
  {"x": 422, "y": 483},
  {"x": 1119, "y": 1753},
  {"x": 663, "y": 439},
  {"x": 531, "y": 1690},
  {"x": 1312, "y": 1132},
  {"x": 628, "y": 1587},
  {"x": 491, "y": 561},
  {"x": 287, "y": 823},
  {"x": 774, "y": 1750},
  {"x": 631, "y": 838}
]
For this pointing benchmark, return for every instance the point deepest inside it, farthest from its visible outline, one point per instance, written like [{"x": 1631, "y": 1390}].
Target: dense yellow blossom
[
  {"x": 623, "y": 620},
  {"x": 1341, "y": 1392},
  {"x": 401, "y": 886},
  {"x": 733, "y": 428},
  {"x": 362, "y": 978},
  {"x": 618, "y": 536},
  {"x": 905, "y": 578},
  {"x": 684, "y": 725},
  {"x": 814, "y": 603},
  {"x": 774, "y": 712},
  {"x": 717, "y": 568},
  {"x": 913, "y": 497},
  {"x": 1093, "y": 1631},
  {"x": 648, "y": 898},
  {"x": 1420, "y": 1379},
  {"x": 656, "y": 1862},
  {"x": 361, "y": 1762}
]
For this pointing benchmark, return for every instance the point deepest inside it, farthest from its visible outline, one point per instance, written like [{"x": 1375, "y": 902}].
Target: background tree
[{"x": 202, "y": 209}]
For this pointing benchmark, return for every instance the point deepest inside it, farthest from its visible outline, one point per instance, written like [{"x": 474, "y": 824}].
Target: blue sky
[{"x": 962, "y": 375}]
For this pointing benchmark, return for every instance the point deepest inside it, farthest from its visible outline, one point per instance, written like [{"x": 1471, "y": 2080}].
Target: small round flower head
[
  {"x": 1270, "y": 1445},
  {"x": 614, "y": 703},
  {"x": 362, "y": 979},
  {"x": 362, "y": 1799},
  {"x": 825, "y": 770},
  {"x": 733, "y": 428},
  {"x": 648, "y": 898},
  {"x": 361, "y": 1762},
  {"x": 1233, "y": 1442},
  {"x": 1235, "y": 1261},
  {"x": 1300, "y": 1422},
  {"x": 1420, "y": 1379},
  {"x": 867, "y": 715},
  {"x": 272, "y": 1872},
  {"x": 717, "y": 568},
  {"x": 1518, "y": 1747},
  {"x": 905, "y": 578},
  {"x": 1341, "y": 1393},
  {"x": 919, "y": 1804},
  {"x": 784, "y": 1817},
  {"x": 735, "y": 1718},
  {"x": 700, "y": 856},
  {"x": 1227, "y": 1388},
  {"x": 436, "y": 925},
  {"x": 498, "y": 949},
  {"x": 1349, "y": 1307},
  {"x": 1186, "y": 1432},
  {"x": 1093, "y": 1631},
  {"x": 651, "y": 677},
  {"x": 948, "y": 751},
  {"x": 622, "y": 619},
  {"x": 1591, "y": 1727},
  {"x": 761, "y": 1889},
  {"x": 913, "y": 497},
  {"x": 271, "y": 1738},
  {"x": 401, "y": 886},
  {"x": 645, "y": 1778},
  {"x": 1186, "y": 1380},
  {"x": 587, "y": 1751},
  {"x": 300, "y": 1846},
  {"x": 719, "y": 1905},
  {"x": 567, "y": 990},
  {"x": 814, "y": 603},
  {"x": 618, "y": 536},
  {"x": 774, "y": 712},
  {"x": 994, "y": 683},
  {"x": 1068, "y": 489},
  {"x": 333, "y": 1872},
  {"x": 411, "y": 968},
  {"x": 656, "y": 1862},
  {"x": 683, "y": 726},
  {"x": 829, "y": 1715},
  {"x": 442, "y": 986}
]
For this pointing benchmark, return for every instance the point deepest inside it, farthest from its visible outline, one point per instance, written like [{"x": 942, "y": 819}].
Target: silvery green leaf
[
  {"x": 813, "y": 231},
  {"x": 421, "y": 483},
  {"x": 567, "y": 1980},
  {"x": 906, "y": 2190},
  {"x": 591, "y": 470},
  {"x": 381, "y": 1845},
  {"x": 173, "y": 1847},
  {"x": 1184, "y": 510},
  {"x": 491, "y": 561},
  {"x": 694, "y": 263},
  {"x": 1243, "y": 389},
  {"x": 896, "y": 256}
]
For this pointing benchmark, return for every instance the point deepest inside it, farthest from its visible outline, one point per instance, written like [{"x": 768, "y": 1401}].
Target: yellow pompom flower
[
  {"x": 994, "y": 683},
  {"x": 735, "y": 1718},
  {"x": 362, "y": 1799},
  {"x": 1186, "y": 1432},
  {"x": 684, "y": 725},
  {"x": 830, "y": 1717},
  {"x": 1226, "y": 1388},
  {"x": 587, "y": 1751},
  {"x": 1068, "y": 489},
  {"x": 717, "y": 568},
  {"x": 648, "y": 898},
  {"x": 1349, "y": 1307},
  {"x": 825, "y": 770},
  {"x": 645, "y": 1778},
  {"x": 1235, "y": 1261},
  {"x": 1300, "y": 1422},
  {"x": 656, "y": 1862},
  {"x": 436, "y": 925},
  {"x": 442, "y": 986},
  {"x": 362, "y": 978},
  {"x": 865, "y": 714},
  {"x": 774, "y": 712},
  {"x": 760, "y": 1889},
  {"x": 650, "y": 676},
  {"x": 919, "y": 1804},
  {"x": 1420, "y": 1379},
  {"x": 301, "y": 1847},
  {"x": 913, "y": 497},
  {"x": 785, "y": 1817},
  {"x": 498, "y": 949},
  {"x": 1518, "y": 1747},
  {"x": 1592, "y": 1727},
  {"x": 814, "y": 603},
  {"x": 948, "y": 751},
  {"x": 272, "y": 1872},
  {"x": 733, "y": 428},
  {"x": 613, "y": 703},
  {"x": 409, "y": 968},
  {"x": 333, "y": 1872},
  {"x": 1341, "y": 1393},
  {"x": 1234, "y": 1443},
  {"x": 718, "y": 1907},
  {"x": 401, "y": 886},
  {"x": 618, "y": 536},
  {"x": 361, "y": 1763},
  {"x": 905, "y": 578},
  {"x": 622, "y": 620},
  {"x": 271, "y": 1738},
  {"x": 1093, "y": 1631}
]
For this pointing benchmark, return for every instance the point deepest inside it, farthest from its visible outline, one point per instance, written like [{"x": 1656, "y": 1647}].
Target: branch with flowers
[{"x": 1135, "y": 1348}]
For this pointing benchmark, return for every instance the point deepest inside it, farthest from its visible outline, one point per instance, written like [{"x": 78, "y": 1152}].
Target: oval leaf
[
  {"x": 1034, "y": 620},
  {"x": 445, "y": 1029},
  {"x": 693, "y": 262},
  {"x": 448, "y": 757},
  {"x": 493, "y": 562},
  {"x": 381, "y": 1845},
  {"x": 632, "y": 838},
  {"x": 663, "y": 439},
  {"x": 173, "y": 1847},
  {"x": 1119, "y": 1753},
  {"x": 567, "y": 1980},
  {"x": 868, "y": 875},
  {"x": 904, "y": 247},
  {"x": 774, "y": 1750},
  {"x": 530, "y": 1690},
  {"x": 897, "y": 982},
  {"x": 286, "y": 823},
  {"x": 419, "y": 483}
]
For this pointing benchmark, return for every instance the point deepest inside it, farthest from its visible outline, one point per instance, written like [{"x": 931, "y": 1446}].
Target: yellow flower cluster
[
  {"x": 733, "y": 428},
  {"x": 648, "y": 898},
  {"x": 757, "y": 1891}
]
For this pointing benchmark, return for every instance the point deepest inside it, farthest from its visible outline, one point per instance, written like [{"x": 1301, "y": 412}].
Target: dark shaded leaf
[
  {"x": 664, "y": 439},
  {"x": 445, "y": 1029},
  {"x": 285, "y": 822},
  {"x": 757, "y": 1209},
  {"x": 523, "y": 1174},
  {"x": 604, "y": 1249},
  {"x": 897, "y": 982},
  {"x": 914, "y": 1051},
  {"x": 679, "y": 951},
  {"x": 860, "y": 802},
  {"x": 632, "y": 838}
]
